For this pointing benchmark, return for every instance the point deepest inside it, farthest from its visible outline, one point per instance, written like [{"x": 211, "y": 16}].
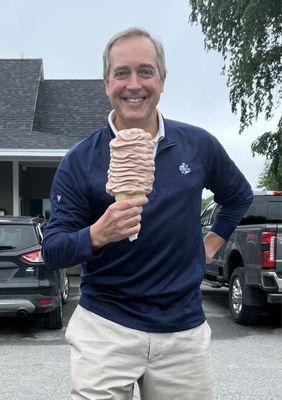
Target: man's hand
[
  {"x": 120, "y": 220},
  {"x": 212, "y": 243}
]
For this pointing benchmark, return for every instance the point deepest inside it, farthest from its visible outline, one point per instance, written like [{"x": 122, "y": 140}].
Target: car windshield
[{"x": 17, "y": 236}]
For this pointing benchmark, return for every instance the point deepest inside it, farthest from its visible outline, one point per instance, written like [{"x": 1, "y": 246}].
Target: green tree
[
  {"x": 270, "y": 145},
  {"x": 248, "y": 35},
  {"x": 267, "y": 181}
]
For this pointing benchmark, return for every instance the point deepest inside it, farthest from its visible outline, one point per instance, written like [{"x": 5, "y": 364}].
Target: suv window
[
  {"x": 17, "y": 236},
  {"x": 263, "y": 209},
  {"x": 205, "y": 217},
  {"x": 215, "y": 212}
]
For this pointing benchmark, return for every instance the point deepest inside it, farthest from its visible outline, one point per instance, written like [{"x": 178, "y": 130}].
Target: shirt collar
[{"x": 159, "y": 136}]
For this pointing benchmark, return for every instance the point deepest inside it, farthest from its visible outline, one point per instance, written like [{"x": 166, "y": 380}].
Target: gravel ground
[{"x": 34, "y": 362}]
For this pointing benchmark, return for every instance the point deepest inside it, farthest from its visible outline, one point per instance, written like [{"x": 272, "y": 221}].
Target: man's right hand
[{"x": 120, "y": 220}]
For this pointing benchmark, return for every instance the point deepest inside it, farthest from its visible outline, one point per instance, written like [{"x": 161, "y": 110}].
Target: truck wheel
[
  {"x": 242, "y": 313},
  {"x": 54, "y": 320}
]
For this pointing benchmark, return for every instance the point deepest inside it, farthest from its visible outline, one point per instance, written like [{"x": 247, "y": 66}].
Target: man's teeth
[{"x": 134, "y": 99}]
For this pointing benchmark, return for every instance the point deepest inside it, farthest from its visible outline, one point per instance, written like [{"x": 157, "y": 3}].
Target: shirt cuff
[
  {"x": 222, "y": 228},
  {"x": 86, "y": 249}
]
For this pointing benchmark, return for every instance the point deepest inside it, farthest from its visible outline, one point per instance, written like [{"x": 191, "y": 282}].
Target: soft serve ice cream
[{"x": 132, "y": 166}]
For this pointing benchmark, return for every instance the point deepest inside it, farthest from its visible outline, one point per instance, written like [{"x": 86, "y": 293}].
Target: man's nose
[{"x": 134, "y": 82}]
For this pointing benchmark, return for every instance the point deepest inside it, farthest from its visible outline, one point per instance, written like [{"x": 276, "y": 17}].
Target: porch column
[{"x": 16, "y": 199}]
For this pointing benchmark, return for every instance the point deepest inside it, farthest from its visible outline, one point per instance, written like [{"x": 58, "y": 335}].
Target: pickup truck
[{"x": 250, "y": 262}]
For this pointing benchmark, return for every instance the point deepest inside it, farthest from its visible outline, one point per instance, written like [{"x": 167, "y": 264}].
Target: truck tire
[{"x": 241, "y": 313}]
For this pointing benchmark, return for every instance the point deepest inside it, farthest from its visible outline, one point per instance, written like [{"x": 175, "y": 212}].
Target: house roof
[
  {"x": 54, "y": 114},
  {"x": 19, "y": 82},
  {"x": 71, "y": 108}
]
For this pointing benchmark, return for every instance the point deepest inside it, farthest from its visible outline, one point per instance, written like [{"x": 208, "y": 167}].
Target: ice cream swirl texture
[{"x": 132, "y": 165}]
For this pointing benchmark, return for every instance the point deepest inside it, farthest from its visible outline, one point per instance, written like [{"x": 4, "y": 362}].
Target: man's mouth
[{"x": 134, "y": 99}]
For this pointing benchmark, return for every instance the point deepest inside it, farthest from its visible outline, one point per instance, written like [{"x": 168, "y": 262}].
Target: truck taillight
[
  {"x": 274, "y": 192},
  {"x": 268, "y": 249},
  {"x": 33, "y": 258}
]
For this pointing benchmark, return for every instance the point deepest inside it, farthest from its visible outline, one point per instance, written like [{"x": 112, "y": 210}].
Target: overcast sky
[{"x": 70, "y": 35}]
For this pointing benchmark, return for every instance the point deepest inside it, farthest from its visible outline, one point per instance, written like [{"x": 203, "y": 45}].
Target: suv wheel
[
  {"x": 242, "y": 314},
  {"x": 54, "y": 319},
  {"x": 65, "y": 289}
]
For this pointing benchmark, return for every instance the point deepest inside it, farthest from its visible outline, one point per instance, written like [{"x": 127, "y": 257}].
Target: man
[{"x": 140, "y": 315}]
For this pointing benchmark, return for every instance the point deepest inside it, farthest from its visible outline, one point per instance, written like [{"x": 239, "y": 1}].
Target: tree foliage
[
  {"x": 247, "y": 33},
  {"x": 268, "y": 181},
  {"x": 270, "y": 145}
]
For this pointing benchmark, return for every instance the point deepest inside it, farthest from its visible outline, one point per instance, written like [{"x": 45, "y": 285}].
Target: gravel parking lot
[{"x": 34, "y": 362}]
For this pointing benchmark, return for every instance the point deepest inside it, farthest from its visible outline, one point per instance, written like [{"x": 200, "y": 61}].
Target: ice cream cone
[
  {"x": 132, "y": 166},
  {"x": 127, "y": 196}
]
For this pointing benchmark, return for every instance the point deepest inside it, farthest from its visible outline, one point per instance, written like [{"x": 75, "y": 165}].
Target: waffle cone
[{"x": 124, "y": 196}]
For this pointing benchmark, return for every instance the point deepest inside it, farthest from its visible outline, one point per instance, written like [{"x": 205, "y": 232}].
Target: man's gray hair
[{"x": 133, "y": 32}]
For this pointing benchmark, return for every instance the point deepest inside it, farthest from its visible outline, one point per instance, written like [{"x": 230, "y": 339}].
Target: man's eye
[
  {"x": 146, "y": 72},
  {"x": 121, "y": 74}
]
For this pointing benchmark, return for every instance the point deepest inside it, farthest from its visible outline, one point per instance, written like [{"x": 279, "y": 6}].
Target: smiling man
[
  {"x": 134, "y": 85},
  {"x": 140, "y": 316}
]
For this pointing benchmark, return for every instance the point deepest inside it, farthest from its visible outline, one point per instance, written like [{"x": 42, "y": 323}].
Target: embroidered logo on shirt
[
  {"x": 59, "y": 197},
  {"x": 184, "y": 169}
]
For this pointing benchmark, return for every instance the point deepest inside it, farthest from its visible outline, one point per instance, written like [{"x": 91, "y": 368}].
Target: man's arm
[
  {"x": 71, "y": 238},
  {"x": 212, "y": 243},
  {"x": 231, "y": 189},
  {"x": 66, "y": 239}
]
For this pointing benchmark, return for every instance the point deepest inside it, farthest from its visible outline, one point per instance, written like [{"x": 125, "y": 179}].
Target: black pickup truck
[{"x": 250, "y": 262}]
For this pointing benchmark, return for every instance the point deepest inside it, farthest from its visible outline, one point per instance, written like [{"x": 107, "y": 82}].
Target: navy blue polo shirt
[{"x": 153, "y": 283}]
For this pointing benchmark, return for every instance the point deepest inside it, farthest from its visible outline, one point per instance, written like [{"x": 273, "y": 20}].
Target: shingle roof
[
  {"x": 71, "y": 106},
  {"x": 38, "y": 113},
  {"x": 19, "y": 82},
  {"x": 19, "y": 139}
]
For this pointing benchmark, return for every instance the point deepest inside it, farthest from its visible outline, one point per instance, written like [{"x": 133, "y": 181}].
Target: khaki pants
[{"x": 108, "y": 358}]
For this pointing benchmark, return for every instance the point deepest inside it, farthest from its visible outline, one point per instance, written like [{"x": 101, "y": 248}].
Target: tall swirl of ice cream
[{"x": 132, "y": 166}]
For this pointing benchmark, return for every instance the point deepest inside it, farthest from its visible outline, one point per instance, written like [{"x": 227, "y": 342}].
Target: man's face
[{"x": 134, "y": 85}]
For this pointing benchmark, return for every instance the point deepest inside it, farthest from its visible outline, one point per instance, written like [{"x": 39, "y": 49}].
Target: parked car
[
  {"x": 250, "y": 262},
  {"x": 27, "y": 287}
]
